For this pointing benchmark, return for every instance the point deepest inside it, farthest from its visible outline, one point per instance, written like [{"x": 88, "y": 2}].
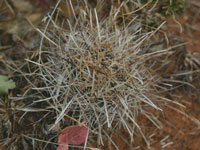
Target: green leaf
[{"x": 5, "y": 84}]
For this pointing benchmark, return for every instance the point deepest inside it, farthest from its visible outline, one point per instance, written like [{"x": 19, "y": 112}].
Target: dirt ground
[{"x": 180, "y": 130}]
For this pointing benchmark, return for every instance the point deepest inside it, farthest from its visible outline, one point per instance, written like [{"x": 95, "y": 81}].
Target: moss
[{"x": 168, "y": 8}]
